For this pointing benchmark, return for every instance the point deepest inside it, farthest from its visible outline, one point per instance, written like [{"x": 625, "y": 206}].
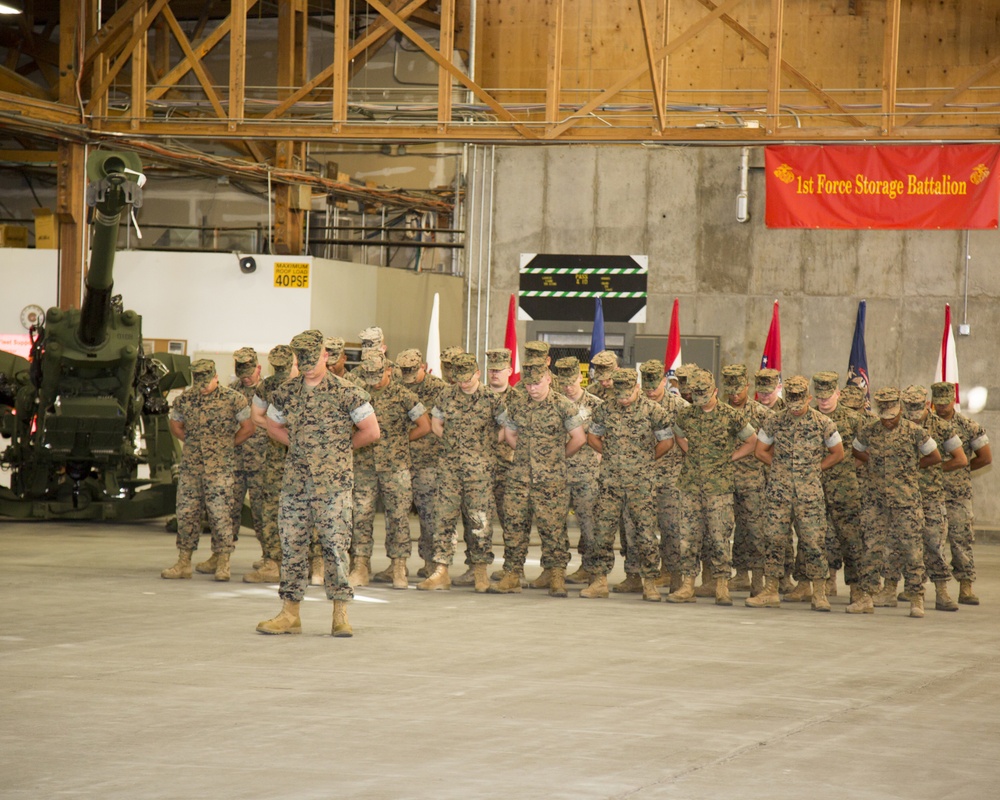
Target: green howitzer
[{"x": 87, "y": 412}]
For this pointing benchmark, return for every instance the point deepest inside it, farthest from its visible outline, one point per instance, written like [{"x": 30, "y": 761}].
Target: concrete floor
[{"x": 117, "y": 684}]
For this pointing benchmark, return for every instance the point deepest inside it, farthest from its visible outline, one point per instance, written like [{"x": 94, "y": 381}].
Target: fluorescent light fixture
[{"x": 11, "y": 7}]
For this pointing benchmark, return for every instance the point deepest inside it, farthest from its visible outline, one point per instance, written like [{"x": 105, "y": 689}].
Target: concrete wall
[{"x": 678, "y": 206}]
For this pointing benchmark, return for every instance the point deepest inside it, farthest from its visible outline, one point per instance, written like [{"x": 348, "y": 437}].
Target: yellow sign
[{"x": 290, "y": 275}]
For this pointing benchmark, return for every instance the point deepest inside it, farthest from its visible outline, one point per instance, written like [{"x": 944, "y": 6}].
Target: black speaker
[{"x": 248, "y": 264}]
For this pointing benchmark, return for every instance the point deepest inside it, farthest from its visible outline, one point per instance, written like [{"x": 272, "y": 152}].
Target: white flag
[{"x": 433, "y": 355}]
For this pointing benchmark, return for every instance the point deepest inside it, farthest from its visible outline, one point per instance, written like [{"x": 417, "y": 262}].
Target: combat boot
[
  {"x": 467, "y": 578},
  {"x": 768, "y": 596},
  {"x": 182, "y": 569},
  {"x": 222, "y": 567},
  {"x": 676, "y": 579},
  {"x": 649, "y": 591},
  {"x": 208, "y": 567},
  {"x": 557, "y": 582},
  {"x": 886, "y": 598},
  {"x": 316, "y": 570},
  {"x": 509, "y": 583},
  {"x": 482, "y": 581},
  {"x": 862, "y": 604},
  {"x": 965, "y": 595},
  {"x": 385, "y": 576},
  {"x": 361, "y": 572},
  {"x": 497, "y": 574},
  {"x": 917, "y": 605},
  {"x": 267, "y": 572},
  {"x": 831, "y": 584},
  {"x": 756, "y": 582},
  {"x": 598, "y": 588},
  {"x": 740, "y": 582},
  {"x": 341, "y": 626},
  {"x": 685, "y": 594},
  {"x": 663, "y": 579},
  {"x": 819, "y": 600},
  {"x": 785, "y": 584},
  {"x": 942, "y": 600},
  {"x": 631, "y": 585},
  {"x": 722, "y": 597},
  {"x": 543, "y": 580},
  {"x": 399, "y": 580},
  {"x": 580, "y": 576},
  {"x": 438, "y": 579},
  {"x": 707, "y": 586},
  {"x": 426, "y": 570},
  {"x": 800, "y": 594},
  {"x": 258, "y": 563},
  {"x": 287, "y": 620}
]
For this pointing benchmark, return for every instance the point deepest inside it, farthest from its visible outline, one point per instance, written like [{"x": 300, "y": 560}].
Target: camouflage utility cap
[
  {"x": 308, "y": 347},
  {"x": 602, "y": 365},
  {"x": 411, "y": 359},
  {"x": 766, "y": 380},
  {"x": 334, "y": 347},
  {"x": 624, "y": 381},
  {"x": 567, "y": 370},
  {"x": 464, "y": 366},
  {"x": 701, "y": 385},
  {"x": 914, "y": 396},
  {"x": 796, "y": 392},
  {"x": 825, "y": 384},
  {"x": 449, "y": 353},
  {"x": 652, "y": 373},
  {"x": 852, "y": 396},
  {"x": 498, "y": 358},
  {"x": 371, "y": 337},
  {"x": 734, "y": 377},
  {"x": 684, "y": 374},
  {"x": 373, "y": 368},
  {"x": 887, "y": 402},
  {"x": 943, "y": 392},
  {"x": 246, "y": 361},
  {"x": 536, "y": 352},
  {"x": 534, "y": 373},
  {"x": 281, "y": 357},
  {"x": 202, "y": 372}
]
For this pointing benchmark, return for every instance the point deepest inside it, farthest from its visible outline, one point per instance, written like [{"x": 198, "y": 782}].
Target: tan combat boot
[
  {"x": 399, "y": 580},
  {"x": 785, "y": 584},
  {"x": 438, "y": 579},
  {"x": 497, "y": 574},
  {"x": 267, "y": 572},
  {"x": 965, "y": 595},
  {"x": 361, "y": 572},
  {"x": 663, "y": 579},
  {"x": 917, "y": 605},
  {"x": 676, "y": 579},
  {"x": 482, "y": 580},
  {"x": 426, "y": 570},
  {"x": 886, "y": 598},
  {"x": 557, "y": 582},
  {"x": 384, "y": 576},
  {"x": 467, "y": 578},
  {"x": 831, "y": 584},
  {"x": 768, "y": 596},
  {"x": 722, "y": 597},
  {"x": 631, "y": 585},
  {"x": 756, "y": 582},
  {"x": 182, "y": 569},
  {"x": 740, "y": 582},
  {"x": 542, "y": 581},
  {"x": 316, "y": 570},
  {"x": 598, "y": 588},
  {"x": 800, "y": 594},
  {"x": 707, "y": 586},
  {"x": 862, "y": 603},
  {"x": 580, "y": 576},
  {"x": 649, "y": 591},
  {"x": 942, "y": 600},
  {"x": 341, "y": 626},
  {"x": 287, "y": 620},
  {"x": 222, "y": 567},
  {"x": 819, "y": 600},
  {"x": 208, "y": 567},
  {"x": 685, "y": 594},
  {"x": 509, "y": 583}
]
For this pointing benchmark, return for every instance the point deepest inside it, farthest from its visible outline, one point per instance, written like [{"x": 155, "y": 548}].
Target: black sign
[{"x": 564, "y": 287}]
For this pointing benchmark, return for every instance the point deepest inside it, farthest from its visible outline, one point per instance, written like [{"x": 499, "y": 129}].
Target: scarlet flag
[
  {"x": 947, "y": 365},
  {"x": 772, "y": 347},
  {"x": 510, "y": 341},
  {"x": 672, "y": 360}
]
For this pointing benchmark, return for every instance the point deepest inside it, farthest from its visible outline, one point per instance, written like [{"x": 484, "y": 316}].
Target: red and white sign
[{"x": 929, "y": 187}]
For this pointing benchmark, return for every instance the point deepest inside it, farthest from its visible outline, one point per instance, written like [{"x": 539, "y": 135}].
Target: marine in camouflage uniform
[
  {"x": 372, "y": 339},
  {"x": 749, "y": 482},
  {"x": 425, "y": 453},
  {"x": 958, "y": 489},
  {"x": 582, "y": 467},
  {"x": 467, "y": 418},
  {"x": 212, "y": 421},
  {"x": 544, "y": 428},
  {"x": 282, "y": 361},
  {"x": 602, "y": 367},
  {"x": 447, "y": 355},
  {"x": 630, "y": 432},
  {"x": 322, "y": 419},
  {"x": 767, "y": 388},
  {"x": 382, "y": 470},
  {"x": 667, "y": 472},
  {"x": 798, "y": 444},
  {"x": 916, "y": 408},
  {"x": 895, "y": 450}
]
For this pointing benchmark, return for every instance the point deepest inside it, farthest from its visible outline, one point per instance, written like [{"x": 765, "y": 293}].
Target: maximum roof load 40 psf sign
[{"x": 564, "y": 287}]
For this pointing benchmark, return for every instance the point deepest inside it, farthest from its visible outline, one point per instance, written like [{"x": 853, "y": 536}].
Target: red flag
[
  {"x": 772, "y": 347},
  {"x": 510, "y": 341},
  {"x": 672, "y": 359},
  {"x": 947, "y": 365}
]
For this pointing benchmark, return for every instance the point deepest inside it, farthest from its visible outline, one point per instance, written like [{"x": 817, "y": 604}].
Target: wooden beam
[
  {"x": 380, "y": 32},
  {"x": 649, "y": 36},
  {"x": 447, "y": 47},
  {"x": 341, "y": 40},
  {"x": 983, "y": 72},
  {"x": 71, "y": 214},
  {"x": 200, "y": 70},
  {"x": 292, "y": 55},
  {"x": 237, "y": 61},
  {"x": 109, "y": 36},
  {"x": 890, "y": 65},
  {"x": 773, "y": 119},
  {"x": 140, "y": 60},
  {"x": 553, "y": 71}
]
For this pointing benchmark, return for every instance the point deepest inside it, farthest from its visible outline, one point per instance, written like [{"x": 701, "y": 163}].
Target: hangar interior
[{"x": 404, "y": 149}]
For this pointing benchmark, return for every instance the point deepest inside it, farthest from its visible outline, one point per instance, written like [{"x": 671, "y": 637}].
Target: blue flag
[
  {"x": 597, "y": 337},
  {"x": 857, "y": 368}
]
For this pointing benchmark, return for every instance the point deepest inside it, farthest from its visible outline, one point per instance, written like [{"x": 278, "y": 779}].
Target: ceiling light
[{"x": 11, "y": 7}]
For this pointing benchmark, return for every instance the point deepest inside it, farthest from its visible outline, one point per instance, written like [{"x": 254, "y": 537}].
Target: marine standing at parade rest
[
  {"x": 895, "y": 450},
  {"x": 798, "y": 444},
  {"x": 320, "y": 418},
  {"x": 211, "y": 421}
]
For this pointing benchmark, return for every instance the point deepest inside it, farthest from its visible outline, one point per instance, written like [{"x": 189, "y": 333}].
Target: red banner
[{"x": 885, "y": 186}]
